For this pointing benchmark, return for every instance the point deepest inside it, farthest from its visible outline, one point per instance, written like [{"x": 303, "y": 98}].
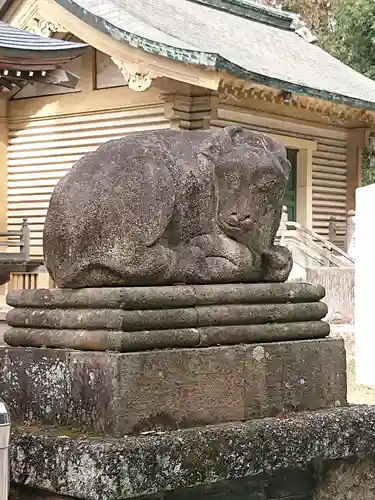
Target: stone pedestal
[
  {"x": 122, "y": 393},
  {"x": 324, "y": 455},
  {"x": 169, "y": 372},
  {"x": 165, "y": 317},
  {"x": 169, "y": 357}
]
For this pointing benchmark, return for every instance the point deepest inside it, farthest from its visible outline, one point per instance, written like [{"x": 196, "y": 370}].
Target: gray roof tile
[
  {"x": 193, "y": 32},
  {"x": 15, "y": 41}
]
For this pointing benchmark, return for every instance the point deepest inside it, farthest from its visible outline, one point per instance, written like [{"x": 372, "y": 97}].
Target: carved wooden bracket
[
  {"x": 39, "y": 26},
  {"x": 336, "y": 113},
  {"x": 136, "y": 77},
  {"x": 48, "y": 28}
]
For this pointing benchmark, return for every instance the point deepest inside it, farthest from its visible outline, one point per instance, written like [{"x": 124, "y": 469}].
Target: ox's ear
[
  {"x": 233, "y": 131},
  {"x": 279, "y": 151},
  {"x": 212, "y": 152},
  {"x": 285, "y": 166},
  {"x": 231, "y": 136}
]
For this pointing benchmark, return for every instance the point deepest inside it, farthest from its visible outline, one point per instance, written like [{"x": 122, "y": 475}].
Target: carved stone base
[
  {"x": 144, "y": 318},
  {"x": 169, "y": 357},
  {"x": 123, "y": 393}
]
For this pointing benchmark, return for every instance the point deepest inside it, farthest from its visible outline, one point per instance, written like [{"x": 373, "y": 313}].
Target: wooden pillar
[
  {"x": 3, "y": 176},
  {"x": 357, "y": 140},
  {"x": 3, "y": 163},
  {"x": 304, "y": 186},
  {"x": 190, "y": 112},
  {"x": 304, "y": 176}
]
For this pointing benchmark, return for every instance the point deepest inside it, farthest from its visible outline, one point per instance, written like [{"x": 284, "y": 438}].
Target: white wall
[{"x": 365, "y": 285}]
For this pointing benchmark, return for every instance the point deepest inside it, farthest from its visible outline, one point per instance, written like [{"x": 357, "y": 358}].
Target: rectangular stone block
[
  {"x": 35, "y": 383},
  {"x": 287, "y": 484},
  {"x": 288, "y": 377},
  {"x": 205, "y": 462},
  {"x": 123, "y": 393}
]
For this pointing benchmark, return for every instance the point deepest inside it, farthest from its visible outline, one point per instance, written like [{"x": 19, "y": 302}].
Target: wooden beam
[
  {"x": 57, "y": 76},
  {"x": 5, "y": 84}
]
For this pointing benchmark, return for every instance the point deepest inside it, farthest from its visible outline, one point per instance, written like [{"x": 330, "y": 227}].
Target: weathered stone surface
[
  {"x": 103, "y": 340},
  {"x": 117, "y": 469},
  {"x": 192, "y": 317},
  {"x": 36, "y": 382},
  {"x": 164, "y": 389},
  {"x": 25, "y": 493},
  {"x": 351, "y": 479},
  {"x": 170, "y": 206},
  {"x": 165, "y": 317},
  {"x": 289, "y": 484},
  {"x": 344, "y": 479},
  {"x": 167, "y": 297}
]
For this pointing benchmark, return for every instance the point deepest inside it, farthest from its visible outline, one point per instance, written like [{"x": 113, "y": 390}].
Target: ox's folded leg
[
  {"x": 226, "y": 259},
  {"x": 128, "y": 264},
  {"x": 277, "y": 264}
]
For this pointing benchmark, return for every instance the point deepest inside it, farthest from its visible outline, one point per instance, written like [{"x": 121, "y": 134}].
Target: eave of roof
[
  {"x": 19, "y": 44},
  {"x": 29, "y": 58},
  {"x": 210, "y": 60}
]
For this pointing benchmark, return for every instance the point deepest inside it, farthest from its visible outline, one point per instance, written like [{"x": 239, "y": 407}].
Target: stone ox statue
[{"x": 170, "y": 207}]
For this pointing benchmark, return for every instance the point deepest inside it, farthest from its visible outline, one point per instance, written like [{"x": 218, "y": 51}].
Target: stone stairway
[{"x": 309, "y": 249}]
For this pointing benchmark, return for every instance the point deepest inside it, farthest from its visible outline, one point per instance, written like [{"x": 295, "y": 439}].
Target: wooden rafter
[
  {"x": 29, "y": 58},
  {"x": 9, "y": 79}
]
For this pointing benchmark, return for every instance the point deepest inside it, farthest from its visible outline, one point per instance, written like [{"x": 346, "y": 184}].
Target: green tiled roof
[{"x": 236, "y": 36}]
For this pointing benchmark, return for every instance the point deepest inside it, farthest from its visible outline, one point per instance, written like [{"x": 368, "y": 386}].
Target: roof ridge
[{"x": 250, "y": 9}]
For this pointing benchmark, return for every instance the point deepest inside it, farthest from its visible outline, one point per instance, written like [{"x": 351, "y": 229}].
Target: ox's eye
[
  {"x": 231, "y": 178},
  {"x": 267, "y": 186}
]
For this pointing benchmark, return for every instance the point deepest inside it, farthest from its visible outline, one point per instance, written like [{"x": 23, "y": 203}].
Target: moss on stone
[{"x": 113, "y": 469}]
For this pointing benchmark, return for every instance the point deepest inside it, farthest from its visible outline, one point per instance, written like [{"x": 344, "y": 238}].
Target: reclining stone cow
[{"x": 170, "y": 207}]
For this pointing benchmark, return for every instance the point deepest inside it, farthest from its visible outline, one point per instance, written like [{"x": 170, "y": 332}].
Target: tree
[
  {"x": 368, "y": 170},
  {"x": 345, "y": 28},
  {"x": 351, "y": 35},
  {"x": 315, "y": 13}
]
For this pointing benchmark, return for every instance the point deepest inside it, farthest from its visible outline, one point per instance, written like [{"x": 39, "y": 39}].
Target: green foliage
[
  {"x": 351, "y": 35},
  {"x": 315, "y": 13},
  {"x": 368, "y": 172},
  {"x": 368, "y": 176},
  {"x": 345, "y": 29}
]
